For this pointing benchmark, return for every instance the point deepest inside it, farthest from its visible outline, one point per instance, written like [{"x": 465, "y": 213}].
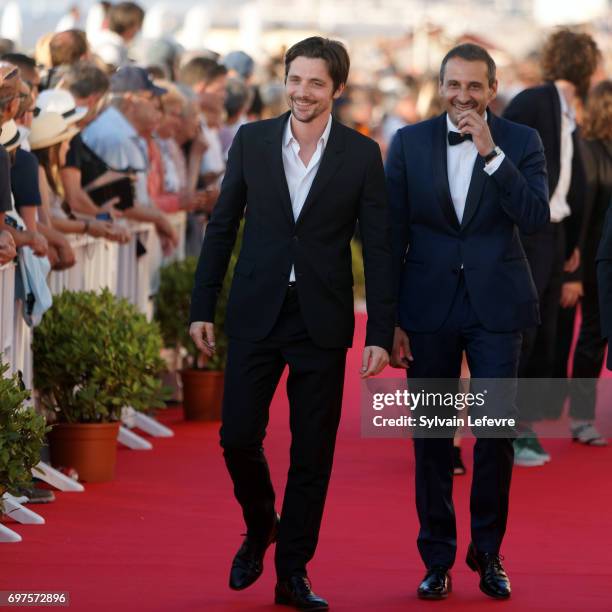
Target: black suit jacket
[
  {"x": 597, "y": 156},
  {"x": 430, "y": 245},
  {"x": 604, "y": 276},
  {"x": 539, "y": 107},
  {"x": 349, "y": 187}
]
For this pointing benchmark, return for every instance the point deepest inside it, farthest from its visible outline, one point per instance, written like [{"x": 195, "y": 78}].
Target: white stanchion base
[
  {"x": 132, "y": 418},
  {"x": 14, "y": 510},
  {"x": 131, "y": 440},
  {"x": 8, "y": 535},
  {"x": 56, "y": 479}
]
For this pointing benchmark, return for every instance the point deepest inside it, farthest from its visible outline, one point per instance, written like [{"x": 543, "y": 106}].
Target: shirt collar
[
  {"x": 124, "y": 126},
  {"x": 288, "y": 137},
  {"x": 451, "y": 127},
  {"x": 566, "y": 109}
]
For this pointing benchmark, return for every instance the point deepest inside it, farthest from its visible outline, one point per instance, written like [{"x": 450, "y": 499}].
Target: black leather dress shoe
[
  {"x": 248, "y": 562},
  {"x": 437, "y": 583},
  {"x": 296, "y": 592},
  {"x": 494, "y": 581}
]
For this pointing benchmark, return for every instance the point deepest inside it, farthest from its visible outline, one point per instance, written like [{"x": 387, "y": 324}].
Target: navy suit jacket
[{"x": 430, "y": 245}]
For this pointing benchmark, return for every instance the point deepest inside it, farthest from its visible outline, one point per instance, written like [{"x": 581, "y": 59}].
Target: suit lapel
[
  {"x": 441, "y": 172},
  {"x": 274, "y": 152},
  {"x": 556, "y": 114},
  {"x": 330, "y": 162},
  {"x": 479, "y": 177}
]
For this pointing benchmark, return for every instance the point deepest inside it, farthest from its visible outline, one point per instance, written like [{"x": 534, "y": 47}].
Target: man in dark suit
[
  {"x": 604, "y": 280},
  {"x": 568, "y": 61},
  {"x": 461, "y": 186},
  {"x": 302, "y": 182}
]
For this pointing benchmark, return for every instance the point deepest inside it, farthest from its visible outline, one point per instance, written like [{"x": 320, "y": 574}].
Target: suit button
[{"x": 296, "y": 239}]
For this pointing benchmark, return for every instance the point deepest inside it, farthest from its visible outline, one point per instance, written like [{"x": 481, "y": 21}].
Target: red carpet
[{"x": 161, "y": 537}]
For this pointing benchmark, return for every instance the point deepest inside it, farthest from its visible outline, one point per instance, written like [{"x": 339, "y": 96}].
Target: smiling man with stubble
[
  {"x": 461, "y": 186},
  {"x": 302, "y": 181}
]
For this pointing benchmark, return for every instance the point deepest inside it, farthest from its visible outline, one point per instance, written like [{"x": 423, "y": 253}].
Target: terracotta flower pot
[
  {"x": 90, "y": 448},
  {"x": 202, "y": 394}
]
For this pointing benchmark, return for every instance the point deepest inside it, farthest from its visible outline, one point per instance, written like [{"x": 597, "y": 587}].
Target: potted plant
[
  {"x": 94, "y": 353},
  {"x": 22, "y": 435},
  {"x": 202, "y": 379}
]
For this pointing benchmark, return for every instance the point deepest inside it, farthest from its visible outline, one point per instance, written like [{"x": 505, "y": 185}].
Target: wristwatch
[{"x": 489, "y": 157}]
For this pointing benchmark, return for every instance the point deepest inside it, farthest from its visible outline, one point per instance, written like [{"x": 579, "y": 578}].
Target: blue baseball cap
[
  {"x": 239, "y": 61},
  {"x": 134, "y": 78}
]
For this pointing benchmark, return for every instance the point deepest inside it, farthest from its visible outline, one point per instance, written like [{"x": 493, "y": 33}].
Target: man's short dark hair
[
  {"x": 471, "y": 53},
  {"x": 85, "y": 79},
  {"x": 67, "y": 47},
  {"x": 237, "y": 97},
  {"x": 332, "y": 51},
  {"x": 570, "y": 56},
  {"x": 124, "y": 16},
  {"x": 201, "y": 70}
]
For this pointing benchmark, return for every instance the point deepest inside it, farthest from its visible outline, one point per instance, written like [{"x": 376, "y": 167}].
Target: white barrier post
[
  {"x": 131, "y": 440},
  {"x": 14, "y": 510},
  {"x": 132, "y": 418},
  {"x": 7, "y": 306},
  {"x": 8, "y": 535},
  {"x": 56, "y": 479}
]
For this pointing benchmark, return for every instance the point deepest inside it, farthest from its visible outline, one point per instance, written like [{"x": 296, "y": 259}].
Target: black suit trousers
[
  {"x": 545, "y": 251},
  {"x": 588, "y": 357},
  {"x": 314, "y": 387}
]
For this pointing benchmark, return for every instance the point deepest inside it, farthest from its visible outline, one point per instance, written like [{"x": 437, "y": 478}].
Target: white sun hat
[
  {"x": 50, "y": 128},
  {"x": 11, "y": 137},
  {"x": 62, "y": 102}
]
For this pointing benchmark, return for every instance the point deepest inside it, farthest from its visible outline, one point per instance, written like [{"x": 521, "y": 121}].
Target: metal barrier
[
  {"x": 134, "y": 267},
  {"x": 7, "y": 308},
  {"x": 179, "y": 223},
  {"x": 95, "y": 267}
]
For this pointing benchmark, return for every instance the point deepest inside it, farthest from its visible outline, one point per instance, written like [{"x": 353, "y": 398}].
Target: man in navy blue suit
[{"x": 461, "y": 187}]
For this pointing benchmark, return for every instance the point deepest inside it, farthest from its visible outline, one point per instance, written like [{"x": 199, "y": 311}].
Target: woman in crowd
[
  {"x": 49, "y": 140},
  {"x": 590, "y": 348}
]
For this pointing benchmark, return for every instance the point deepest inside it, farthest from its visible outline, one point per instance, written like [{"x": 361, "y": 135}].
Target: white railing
[
  {"x": 130, "y": 270},
  {"x": 95, "y": 267},
  {"x": 7, "y": 309},
  {"x": 134, "y": 266},
  {"x": 179, "y": 223}
]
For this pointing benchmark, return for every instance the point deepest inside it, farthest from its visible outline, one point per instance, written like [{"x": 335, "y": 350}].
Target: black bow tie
[{"x": 455, "y": 138}]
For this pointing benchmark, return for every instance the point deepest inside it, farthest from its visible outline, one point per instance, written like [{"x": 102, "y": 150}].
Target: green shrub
[
  {"x": 22, "y": 435},
  {"x": 95, "y": 353},
  {"x": 173, "y": 301}
]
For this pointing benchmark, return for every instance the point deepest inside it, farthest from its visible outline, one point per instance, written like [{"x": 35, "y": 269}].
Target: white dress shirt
[
  {"x": 460, "y": 161},
  {"x": 213, "y": 159},
  {"x": 559, "y": 208},
  {"x": 300, "y": 177}
]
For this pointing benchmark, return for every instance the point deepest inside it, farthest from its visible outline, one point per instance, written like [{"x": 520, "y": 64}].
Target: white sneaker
[
  {"x": 527, "y": 457},
  {"x": 586, "y": 433}
]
